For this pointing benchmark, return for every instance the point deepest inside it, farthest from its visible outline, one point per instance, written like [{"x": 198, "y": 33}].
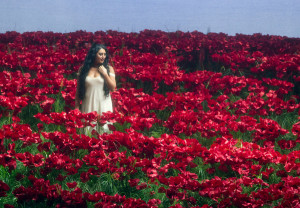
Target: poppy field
[{"x": 200, "y": 120}]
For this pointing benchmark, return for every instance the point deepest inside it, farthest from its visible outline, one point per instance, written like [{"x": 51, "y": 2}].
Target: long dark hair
[{"x": 88, "y": 63}]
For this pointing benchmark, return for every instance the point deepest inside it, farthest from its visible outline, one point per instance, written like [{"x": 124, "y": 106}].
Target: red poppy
[{"x": 72, "y": 185}]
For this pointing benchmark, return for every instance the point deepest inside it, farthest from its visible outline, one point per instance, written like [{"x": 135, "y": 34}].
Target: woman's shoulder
[{"x": 111, "y": 69}]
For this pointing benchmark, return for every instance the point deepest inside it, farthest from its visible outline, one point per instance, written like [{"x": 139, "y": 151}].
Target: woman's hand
[
  {"x": 102, "y": 70},
  {"x": 110, "y": 79}
]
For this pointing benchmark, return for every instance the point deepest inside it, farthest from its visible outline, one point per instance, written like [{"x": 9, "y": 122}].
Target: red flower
[
  {"x": 210, "y": 170},
  {"x": 141, "y": 186},
  {"x": 3, "y": 189},
  {"x": 281, "y": 173},
  {"x": 84, "y": 177},
  {"x": 286, "y": 144},
  {"x": 44, "y": 147},
  {"x": 266, "y": 173},
  {"x": 72, "y": 185},
  {"x": 296, "y": 129},
  {"x": 60, "y": 177},
  {"x": 152, "y": 173},
  {"x": 46, "y": 105},
  {"x": 133, "y": 182}
]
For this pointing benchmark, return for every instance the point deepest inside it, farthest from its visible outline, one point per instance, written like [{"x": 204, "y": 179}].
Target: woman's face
[{"x": 100, "y": 56}]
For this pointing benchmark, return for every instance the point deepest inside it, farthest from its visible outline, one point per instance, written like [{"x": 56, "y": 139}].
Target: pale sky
[{"x": 274, "y": 17}]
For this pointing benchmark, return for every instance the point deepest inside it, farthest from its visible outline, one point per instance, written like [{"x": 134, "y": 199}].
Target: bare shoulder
[{"x": 111, "y": 69}]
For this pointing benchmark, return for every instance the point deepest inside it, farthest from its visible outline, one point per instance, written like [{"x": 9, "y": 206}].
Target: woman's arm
[{"x": 110, "y": 79}]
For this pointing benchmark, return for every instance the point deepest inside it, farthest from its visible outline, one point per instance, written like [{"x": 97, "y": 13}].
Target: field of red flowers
[{"x": 200, "y": 120}]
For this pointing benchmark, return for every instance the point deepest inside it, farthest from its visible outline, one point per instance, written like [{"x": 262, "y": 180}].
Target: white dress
[{"x": 95, "y": 100}]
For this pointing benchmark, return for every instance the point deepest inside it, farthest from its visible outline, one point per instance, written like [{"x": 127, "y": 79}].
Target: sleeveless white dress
[{"x": 95, "y": 100}]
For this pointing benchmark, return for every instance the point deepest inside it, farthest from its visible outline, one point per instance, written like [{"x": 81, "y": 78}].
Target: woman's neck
[{"x": 96, "y": 65}]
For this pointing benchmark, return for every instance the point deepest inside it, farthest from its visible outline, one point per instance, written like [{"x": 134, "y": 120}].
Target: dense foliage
[{"x": 200, "y": 120}]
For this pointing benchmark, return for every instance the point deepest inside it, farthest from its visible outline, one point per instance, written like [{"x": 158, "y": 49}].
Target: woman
[{"x": 96, "y": 78}]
